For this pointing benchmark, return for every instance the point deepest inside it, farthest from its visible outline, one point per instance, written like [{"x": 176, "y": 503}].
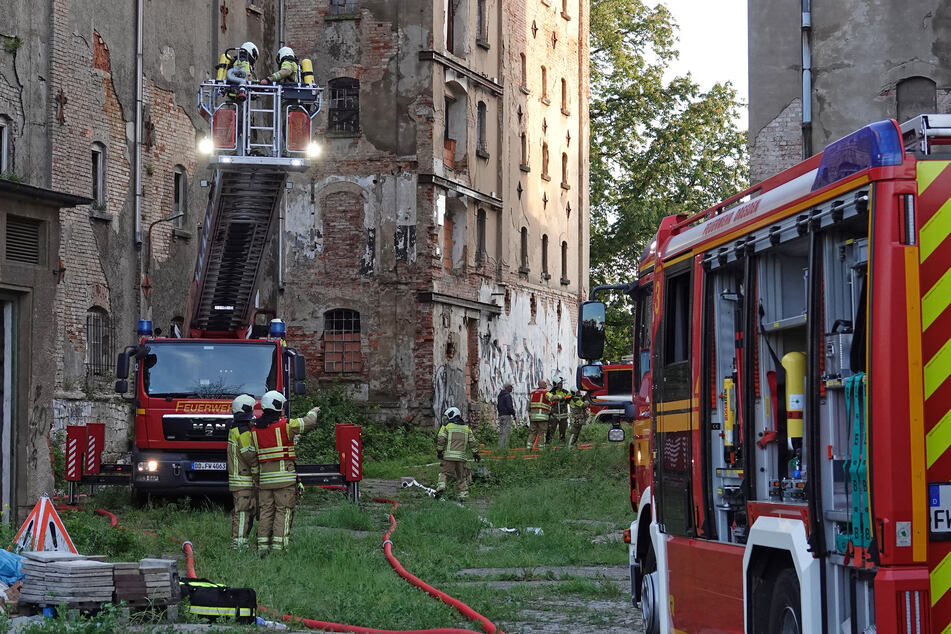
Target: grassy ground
[{"x": 336, "y": 570}]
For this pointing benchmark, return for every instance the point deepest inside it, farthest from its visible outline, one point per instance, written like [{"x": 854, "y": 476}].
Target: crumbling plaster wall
[{"x": 860, "y": 52}]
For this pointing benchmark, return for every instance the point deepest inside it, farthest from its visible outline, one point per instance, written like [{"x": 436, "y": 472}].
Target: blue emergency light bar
[
  {"x": 876, "y": 145},
  {"x": 144, "y": 328},
  {"x": 278, "y": 329}
]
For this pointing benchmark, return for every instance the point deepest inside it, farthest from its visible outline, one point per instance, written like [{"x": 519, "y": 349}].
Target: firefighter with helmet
[
  {"x": 289, "y": 71},
  {"x": 273, "y": 437},
  {"x": 558, "y": 419},
  {"x": 242, "y": 470},
  {"x": 579, "y": 415},
  {"x": 539, "y": 409},
  {"x": 454, "y": 440},
  {"x": 241, "y": 70}
]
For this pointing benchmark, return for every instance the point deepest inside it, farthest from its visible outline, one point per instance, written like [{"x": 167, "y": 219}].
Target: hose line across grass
[{"x": 487, "y": 626}]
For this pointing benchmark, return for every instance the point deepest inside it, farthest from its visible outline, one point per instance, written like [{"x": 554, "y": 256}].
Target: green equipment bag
[{"x": 213, "y": 600}]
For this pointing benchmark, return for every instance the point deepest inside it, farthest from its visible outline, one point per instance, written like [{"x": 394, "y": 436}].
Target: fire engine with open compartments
[{"x": 792, "y": 469}]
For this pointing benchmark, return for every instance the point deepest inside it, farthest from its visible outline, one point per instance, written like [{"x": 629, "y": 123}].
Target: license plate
[
  {"x": 939, "y": 509},
  {"x": 209, "y": 466}
]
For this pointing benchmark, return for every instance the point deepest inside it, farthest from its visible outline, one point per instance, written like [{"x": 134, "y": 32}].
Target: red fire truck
[
  {"x": 794, "y": 474},
  {"x": 184, "y": 386}
]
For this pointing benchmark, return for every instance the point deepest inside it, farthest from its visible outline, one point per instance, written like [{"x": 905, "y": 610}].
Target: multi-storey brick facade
[
  {"x": 409, "y": 262},
  {"x": 869, "y": 61}
]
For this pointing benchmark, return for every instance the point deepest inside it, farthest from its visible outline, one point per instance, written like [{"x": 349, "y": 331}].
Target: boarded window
[
  {"x": 524, "y": 250},
  {"x": 915, "y": 96},
  {"x": 545, "y": 254},
  {"x": 344, "y": 107},
  {"x": 341, "y": 7},
  {"x": 480, "y": 236},
  {"x": 98, "y": 175},
  {"x": 24, "y": 240},
  {"x": 480, "y": 127},
  {"x": 342, "y": 353}
]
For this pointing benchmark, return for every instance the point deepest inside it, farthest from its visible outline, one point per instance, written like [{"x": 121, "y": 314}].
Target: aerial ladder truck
[{"x": 183, "y": 387}]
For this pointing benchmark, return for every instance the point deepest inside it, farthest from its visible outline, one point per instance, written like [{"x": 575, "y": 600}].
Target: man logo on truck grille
[{"x": 209, "y": 428}]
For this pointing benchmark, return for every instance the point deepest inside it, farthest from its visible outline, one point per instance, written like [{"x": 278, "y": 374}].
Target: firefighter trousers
[
  {"x": 575, "y": 431},
  {"x": 242, "y": 516},
  {"x": 557, "y": 423},
  {"x": 537, "y": 430},
  {"x": 277, "y": 513},
  {"x": 457, "y": 470}
]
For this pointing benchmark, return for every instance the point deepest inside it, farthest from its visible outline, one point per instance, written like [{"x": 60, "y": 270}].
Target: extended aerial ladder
[{"x": 254, "y": 143}]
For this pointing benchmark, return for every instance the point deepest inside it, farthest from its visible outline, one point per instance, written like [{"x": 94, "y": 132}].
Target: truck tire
[
  {"x": 785, "y": 608},
  {"x": 650, "y": 599}
]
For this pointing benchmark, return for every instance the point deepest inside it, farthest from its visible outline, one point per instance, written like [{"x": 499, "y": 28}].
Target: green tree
[{"x": 658, "y": 148}]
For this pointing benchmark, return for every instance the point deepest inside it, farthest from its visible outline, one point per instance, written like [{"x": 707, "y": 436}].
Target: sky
[{"x": 712, "y": 43}]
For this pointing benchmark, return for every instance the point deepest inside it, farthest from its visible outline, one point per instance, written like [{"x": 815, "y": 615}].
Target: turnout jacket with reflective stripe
[
  {"x": 274, "y": 445},
  {"x": 454, "y": 440},
  {"x": 559, "y": 399},
  {"x": 242, "y": 460},
  {"x": 539, "y": 405}
]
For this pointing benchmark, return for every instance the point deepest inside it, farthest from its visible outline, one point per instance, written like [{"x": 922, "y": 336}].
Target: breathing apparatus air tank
[
  {"x": 307, "y": 72},
  {"x": 794, "y": 363},
  {"x": 221, "y": 68}
]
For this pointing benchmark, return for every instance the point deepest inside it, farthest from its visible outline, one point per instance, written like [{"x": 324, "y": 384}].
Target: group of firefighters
[
  {"x": 262, "y": 476},
  {"x": 549, "y": 410},
  {"x": 236, "y": 67}
]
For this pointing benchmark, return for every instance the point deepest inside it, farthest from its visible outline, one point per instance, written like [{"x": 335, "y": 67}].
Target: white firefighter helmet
[
  {"x": 273, "y": 400},
  {"x": 453, "y": 415},
  {"x": 284, "y": 51},
  {"x": 251, "y": 50},
  {"x": 244, "y": 403},
  {"x": 556, "y": 380}
]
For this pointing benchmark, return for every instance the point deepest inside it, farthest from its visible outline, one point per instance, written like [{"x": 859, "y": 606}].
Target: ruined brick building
[
  {"x": 438, "y": 248},
  {"x": 864, "y": 61}
]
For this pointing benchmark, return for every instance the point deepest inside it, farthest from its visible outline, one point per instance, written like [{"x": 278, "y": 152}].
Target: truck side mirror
[
  {"x": 591, "y": 330},
  {"x": 300, "y": 388},
  {"x": 122, "y": 386},
  {"x": 300, "y": 368},
  {"x": 122, "y": 366}
]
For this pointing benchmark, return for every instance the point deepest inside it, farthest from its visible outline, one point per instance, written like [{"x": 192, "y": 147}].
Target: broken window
[
  {"x": 342, "y": 353},
  {"x": 482, "y": 21},
  {"x": 480, "y": 236},
  {"x": 342, "y": 7},
  {"x": 564, "y": 262},
  {"x": 178, "y": 196},
  {"x": 98, "y": 176},
  {"x": 344, "y": 107},
  {"x": 523, "y": 267},
  {"x": 4, "y": 145},
  {"x": 98, "y": 342},
  {"x": 481, "y": 145},
  {"x": 545, "y": 274}
]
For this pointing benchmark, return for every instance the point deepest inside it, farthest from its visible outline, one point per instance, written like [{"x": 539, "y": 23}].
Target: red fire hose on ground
[{"x": 487, "y": 626}]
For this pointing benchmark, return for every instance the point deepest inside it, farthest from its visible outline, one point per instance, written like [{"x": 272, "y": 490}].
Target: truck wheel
[
  {"x": 650, "y": 606},
  {"x": 785, "y": 609}
]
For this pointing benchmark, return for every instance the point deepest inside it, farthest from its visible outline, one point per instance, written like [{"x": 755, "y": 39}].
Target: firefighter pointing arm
[{"x": 277, "y": 493}]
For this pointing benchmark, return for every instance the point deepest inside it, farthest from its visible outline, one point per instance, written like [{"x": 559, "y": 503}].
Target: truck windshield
[{"x": 210, "y": 370}]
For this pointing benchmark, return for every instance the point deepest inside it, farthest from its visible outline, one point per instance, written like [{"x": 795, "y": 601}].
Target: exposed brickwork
[{"x": 778, "y": 145}]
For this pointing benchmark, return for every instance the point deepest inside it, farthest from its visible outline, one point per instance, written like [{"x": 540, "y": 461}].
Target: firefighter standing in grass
[
  {"x": 579, "y": 416},
  {"x": 539, "y": 408},
  {"x": 277, "y": 489},
  {"x": 242, "y": 470},
  {"x": 454, "y": 440},
  {"x": 559, "y": 397}
]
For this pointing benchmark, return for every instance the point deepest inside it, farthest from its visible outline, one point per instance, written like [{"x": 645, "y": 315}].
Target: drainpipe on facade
[
  {"x": 138, "y": 122},
  {"x": 806, "y": 27}
]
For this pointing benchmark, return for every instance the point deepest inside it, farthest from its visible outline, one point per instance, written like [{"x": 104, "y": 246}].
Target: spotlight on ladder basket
[
  {"x": 313, "y": 149},
  {"x": 206, "y": 145},
  {"x": 144, "y": 328},
  {"x": 616, "y": 433},
  {"x": 277, "y": 329}
]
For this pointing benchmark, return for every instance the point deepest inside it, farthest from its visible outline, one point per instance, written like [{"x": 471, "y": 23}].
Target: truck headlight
[{"x": 616, "y": 434}]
